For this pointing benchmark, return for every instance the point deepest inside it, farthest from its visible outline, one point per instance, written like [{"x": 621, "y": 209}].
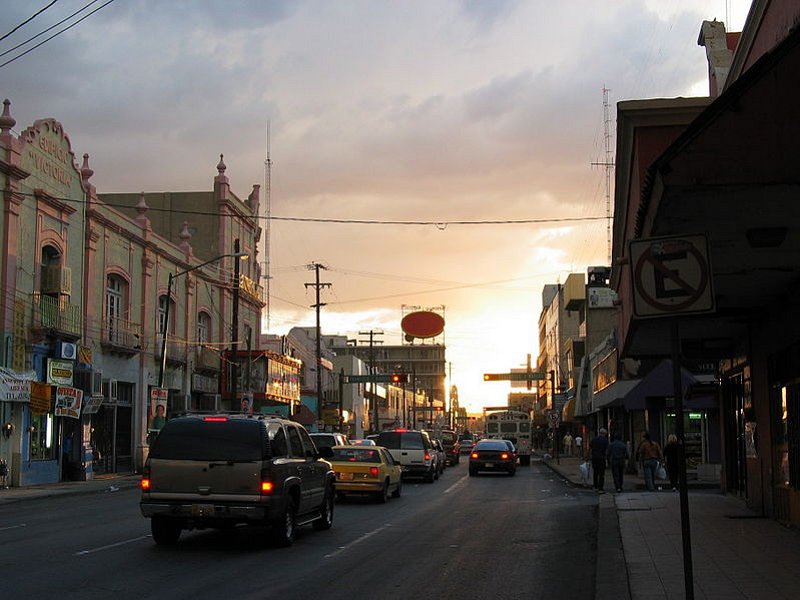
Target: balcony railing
[
  {"x": 56, "y": 280},
  {"x": 250, "y": 288},
  {"x": 121, "y": 335},
  {"x": 56, "y": 314},
  {"x": 207, "y": 359}
]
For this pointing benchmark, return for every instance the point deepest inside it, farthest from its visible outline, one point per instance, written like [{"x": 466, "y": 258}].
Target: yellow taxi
[{"x": 366, "y": 470}]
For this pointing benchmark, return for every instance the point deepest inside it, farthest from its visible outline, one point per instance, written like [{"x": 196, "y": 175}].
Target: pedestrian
[
  {"x": 598, "y": 446},
  {"x": 671, "y": 458},
  {"x": 568, "y": 444},
  {"x": 617, "y": 456},
  {"x": 578, "y": 441},
  {"x": 649, "y": 454}
]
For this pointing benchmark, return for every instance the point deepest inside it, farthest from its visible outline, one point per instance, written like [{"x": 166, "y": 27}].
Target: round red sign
[{"x": 422, "y": 324}]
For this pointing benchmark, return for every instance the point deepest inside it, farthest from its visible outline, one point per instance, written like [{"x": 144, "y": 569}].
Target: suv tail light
[
  {"x": 267, "y": 486},
  {"x": 145, "y": 483},
  {"x": 427, "y": 456}
]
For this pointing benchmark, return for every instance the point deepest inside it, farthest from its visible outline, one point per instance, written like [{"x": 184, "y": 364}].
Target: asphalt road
[{"x": 493, "y": 536}]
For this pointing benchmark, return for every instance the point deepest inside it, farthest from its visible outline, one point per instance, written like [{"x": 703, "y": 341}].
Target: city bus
[{"x": 514, "y": 425}]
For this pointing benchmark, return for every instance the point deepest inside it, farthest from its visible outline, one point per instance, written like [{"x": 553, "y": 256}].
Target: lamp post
[{"x": 165, "y": 325}]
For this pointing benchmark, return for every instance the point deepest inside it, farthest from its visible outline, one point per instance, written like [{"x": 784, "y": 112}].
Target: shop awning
[
  {"x": 658, "y": 384},
  {"x": 614, "y": 394}
]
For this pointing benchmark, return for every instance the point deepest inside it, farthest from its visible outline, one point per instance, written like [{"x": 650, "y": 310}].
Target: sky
[{"x": 436, "y": 111}]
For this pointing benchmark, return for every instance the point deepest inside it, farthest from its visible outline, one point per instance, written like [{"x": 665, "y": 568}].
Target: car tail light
[
  {"x": 474, "y": 455},
  {"x": 504, "y": 456},
  {"x": 145, "y": 484},
  {"x": 215, "y": 419},
  {"x": 427, "y": 456},
  {"x": 373, "y": 471}
]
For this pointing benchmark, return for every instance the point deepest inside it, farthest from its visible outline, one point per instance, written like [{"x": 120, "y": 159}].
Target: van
[
  {"x": 412, "y": 450},
  {"x": 227, "y": 469}
]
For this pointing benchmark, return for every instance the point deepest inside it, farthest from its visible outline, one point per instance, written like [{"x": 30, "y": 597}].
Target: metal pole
[
  {"x": 235, "y": 330},
  {"x": 688, "y": 575},
  {"x": 341, "y": 396},
  {"x": 164, "y": 329}
]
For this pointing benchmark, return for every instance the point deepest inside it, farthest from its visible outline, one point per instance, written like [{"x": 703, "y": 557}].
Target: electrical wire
[
  {"x": 57, "y": 33},
  {"x": 28, "y": 20}
]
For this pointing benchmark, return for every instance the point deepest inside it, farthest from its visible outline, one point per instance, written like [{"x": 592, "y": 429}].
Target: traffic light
[
  {"x": 399, "y": 378},
  {"x": 494, "y": 376}
]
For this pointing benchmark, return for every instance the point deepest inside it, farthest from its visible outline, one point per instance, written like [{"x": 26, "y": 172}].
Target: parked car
[
  {"x": 323, "y": 439},
  {"x": 366, "y": 470},
  {"x": 452, "y": 446},
  {"x": 413, "y": 450},
  {"x": 221, "y": 470},
  {"x": 492, "y": 455}
]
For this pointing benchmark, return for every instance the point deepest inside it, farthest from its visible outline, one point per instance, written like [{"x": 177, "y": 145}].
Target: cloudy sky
[{"x": 416, "y": 111}]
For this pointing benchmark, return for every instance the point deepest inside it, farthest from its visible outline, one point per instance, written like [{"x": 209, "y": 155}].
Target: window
[
  {"x": 278, "y": 441},
  {"x": 115, "y": 309},
  {"x": 236, "y": 440},
  {"x": 203, "y": 328},
  {"x": 162, "y": 314},
  {"x": 43, "y": 437},
  {"x": 309, "y": 445},
  {"x": 295, "y": 443}
]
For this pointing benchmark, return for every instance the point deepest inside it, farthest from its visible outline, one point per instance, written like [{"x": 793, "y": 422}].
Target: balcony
[
  {"x": 176, "y": 350},
  {"x": 56, "y": 280},
  {"x": 121, "y": 336},
  {"x": 207, "y": 359},
  {"x": 250, "y": 288},
  {"x": 56, "y": 316}
]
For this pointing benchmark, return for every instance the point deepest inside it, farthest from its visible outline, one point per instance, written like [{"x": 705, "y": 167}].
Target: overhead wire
[{"x": 28, "y": 20}]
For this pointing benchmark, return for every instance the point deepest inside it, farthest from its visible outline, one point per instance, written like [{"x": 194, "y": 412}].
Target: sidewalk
[
  {"x": 736, "y": 554},
  {"x": 102, "y": 484}
]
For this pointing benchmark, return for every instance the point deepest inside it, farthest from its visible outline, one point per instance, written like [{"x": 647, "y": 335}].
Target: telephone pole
[
  {"x": 608, "y": 163},
  {"x": 318, "y": 286},
  {"x": 372, "y": 341}
]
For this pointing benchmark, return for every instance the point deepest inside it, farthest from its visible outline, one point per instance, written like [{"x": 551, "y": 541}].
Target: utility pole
[
  {"x": 372, "y": 333},
  {"x": 317, "y": 288},
  {"x": 235, "y": 330},
  {"x": 608, "y": 163}
]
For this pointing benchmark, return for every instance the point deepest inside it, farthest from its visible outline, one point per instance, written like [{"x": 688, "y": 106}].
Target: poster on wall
[
  {"x": 157, "y": 417},
  {"x": 68, "y": 401}
]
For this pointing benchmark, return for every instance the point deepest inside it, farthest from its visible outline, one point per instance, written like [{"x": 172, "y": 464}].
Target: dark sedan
[{"x": 492, "y": 455}]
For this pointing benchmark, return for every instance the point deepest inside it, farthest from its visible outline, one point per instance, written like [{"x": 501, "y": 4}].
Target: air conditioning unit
[
  {"x": 110, "y": 389},
  {"x": 67, "y": 350},
  {"x": 97, "y": 383}
]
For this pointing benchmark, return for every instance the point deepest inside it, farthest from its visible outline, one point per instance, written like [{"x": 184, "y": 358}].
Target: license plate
[
  {"x": 346, "y": 476},
  {"x": 488, "y": 465},
  {"x": 199, "y": 510}
]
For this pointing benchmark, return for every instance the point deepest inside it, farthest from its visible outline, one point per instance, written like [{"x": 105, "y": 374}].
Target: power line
[
  {"x": 57, "y": 33},
  {"x": 28, "y": 20}
]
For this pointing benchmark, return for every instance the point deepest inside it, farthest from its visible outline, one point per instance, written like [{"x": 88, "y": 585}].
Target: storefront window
[{"x": 43, "y": 445}]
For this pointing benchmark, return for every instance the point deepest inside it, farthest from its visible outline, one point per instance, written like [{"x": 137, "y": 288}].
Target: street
[{"x": 492, "y": 536}]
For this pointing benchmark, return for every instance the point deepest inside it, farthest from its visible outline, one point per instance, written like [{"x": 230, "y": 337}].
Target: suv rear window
[
  {"x": 448, "y": 436},
  {"x": 194, "y": 439},
  {"x": 401, "y": 440}
]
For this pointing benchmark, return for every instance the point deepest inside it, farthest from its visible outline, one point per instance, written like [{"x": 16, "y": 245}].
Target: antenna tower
[
  {"x": 609, "y": 166},
  {"x": 268, "y": 227}
]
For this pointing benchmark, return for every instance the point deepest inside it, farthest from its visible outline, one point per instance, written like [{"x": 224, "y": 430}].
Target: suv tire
[
  {"x": 165, "y": 531},
  {"x": 325, "y": 520},
  {"x": 284, "y": 528}
]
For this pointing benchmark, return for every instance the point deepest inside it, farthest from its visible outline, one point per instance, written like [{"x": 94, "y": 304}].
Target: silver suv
[
  {"x": 218, "y": 470},
  {"x": 412, "y": 450}
]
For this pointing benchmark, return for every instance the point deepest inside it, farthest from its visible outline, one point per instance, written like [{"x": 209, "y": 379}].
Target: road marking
[
  {"x": 357, "y": 541},
  {"x": 122, "y": 543},
  {"x": 13, "y": 527},
  {"x": 457, "y": 483}
]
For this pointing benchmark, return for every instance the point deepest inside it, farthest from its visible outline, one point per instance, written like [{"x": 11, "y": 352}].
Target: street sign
[
  {"x": 554, "y": 418},
  {"x": 376, "y": 378},
  {"x": 430, "y": 408},
  {"x": 514, "y": 376},
  {"x": 671, "y": 276}
]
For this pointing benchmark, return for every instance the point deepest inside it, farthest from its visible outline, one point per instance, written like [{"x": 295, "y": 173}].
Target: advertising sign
[
  {"x": 59, "y": 372},
  {"x": 158, "y": 409},
  {"x": 92, "y": 404},
  {"x": 14, "y": 386},
  {"x": 68, "y": 401}
]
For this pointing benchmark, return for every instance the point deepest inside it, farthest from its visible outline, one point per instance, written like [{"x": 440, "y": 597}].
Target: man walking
[
  {"x": 598, "y": 446},
  {"x": 617, "y": 455}
]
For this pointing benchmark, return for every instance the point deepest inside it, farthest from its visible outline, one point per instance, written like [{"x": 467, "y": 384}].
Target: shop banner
[
  {"x": 41, "y": 398},
  {"x": 15, "y": 386},
  {"x": 92, "y": 404},
  {"x": 59, "y": 372},
  {"x": 68, "y": 401}
]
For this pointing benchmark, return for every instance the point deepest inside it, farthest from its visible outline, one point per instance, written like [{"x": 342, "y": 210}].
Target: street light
[{"x": 165, "y": 325}]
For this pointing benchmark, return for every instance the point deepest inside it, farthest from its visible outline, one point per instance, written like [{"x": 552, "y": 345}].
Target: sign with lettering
[
  {"x": 68, "y": 401},
  {"x": 60, "y": 372},
  {"x": 15, "y": 386}
]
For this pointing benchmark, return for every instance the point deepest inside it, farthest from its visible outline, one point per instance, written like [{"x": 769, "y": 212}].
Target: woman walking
[{"x": 671, "y": 457}]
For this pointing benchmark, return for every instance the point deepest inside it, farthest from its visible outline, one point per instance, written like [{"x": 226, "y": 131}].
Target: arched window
[
  {"x": 163, "y": 301},
  {"x": 116, "y": 289},
  {"x": 203, "y": 328}
]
